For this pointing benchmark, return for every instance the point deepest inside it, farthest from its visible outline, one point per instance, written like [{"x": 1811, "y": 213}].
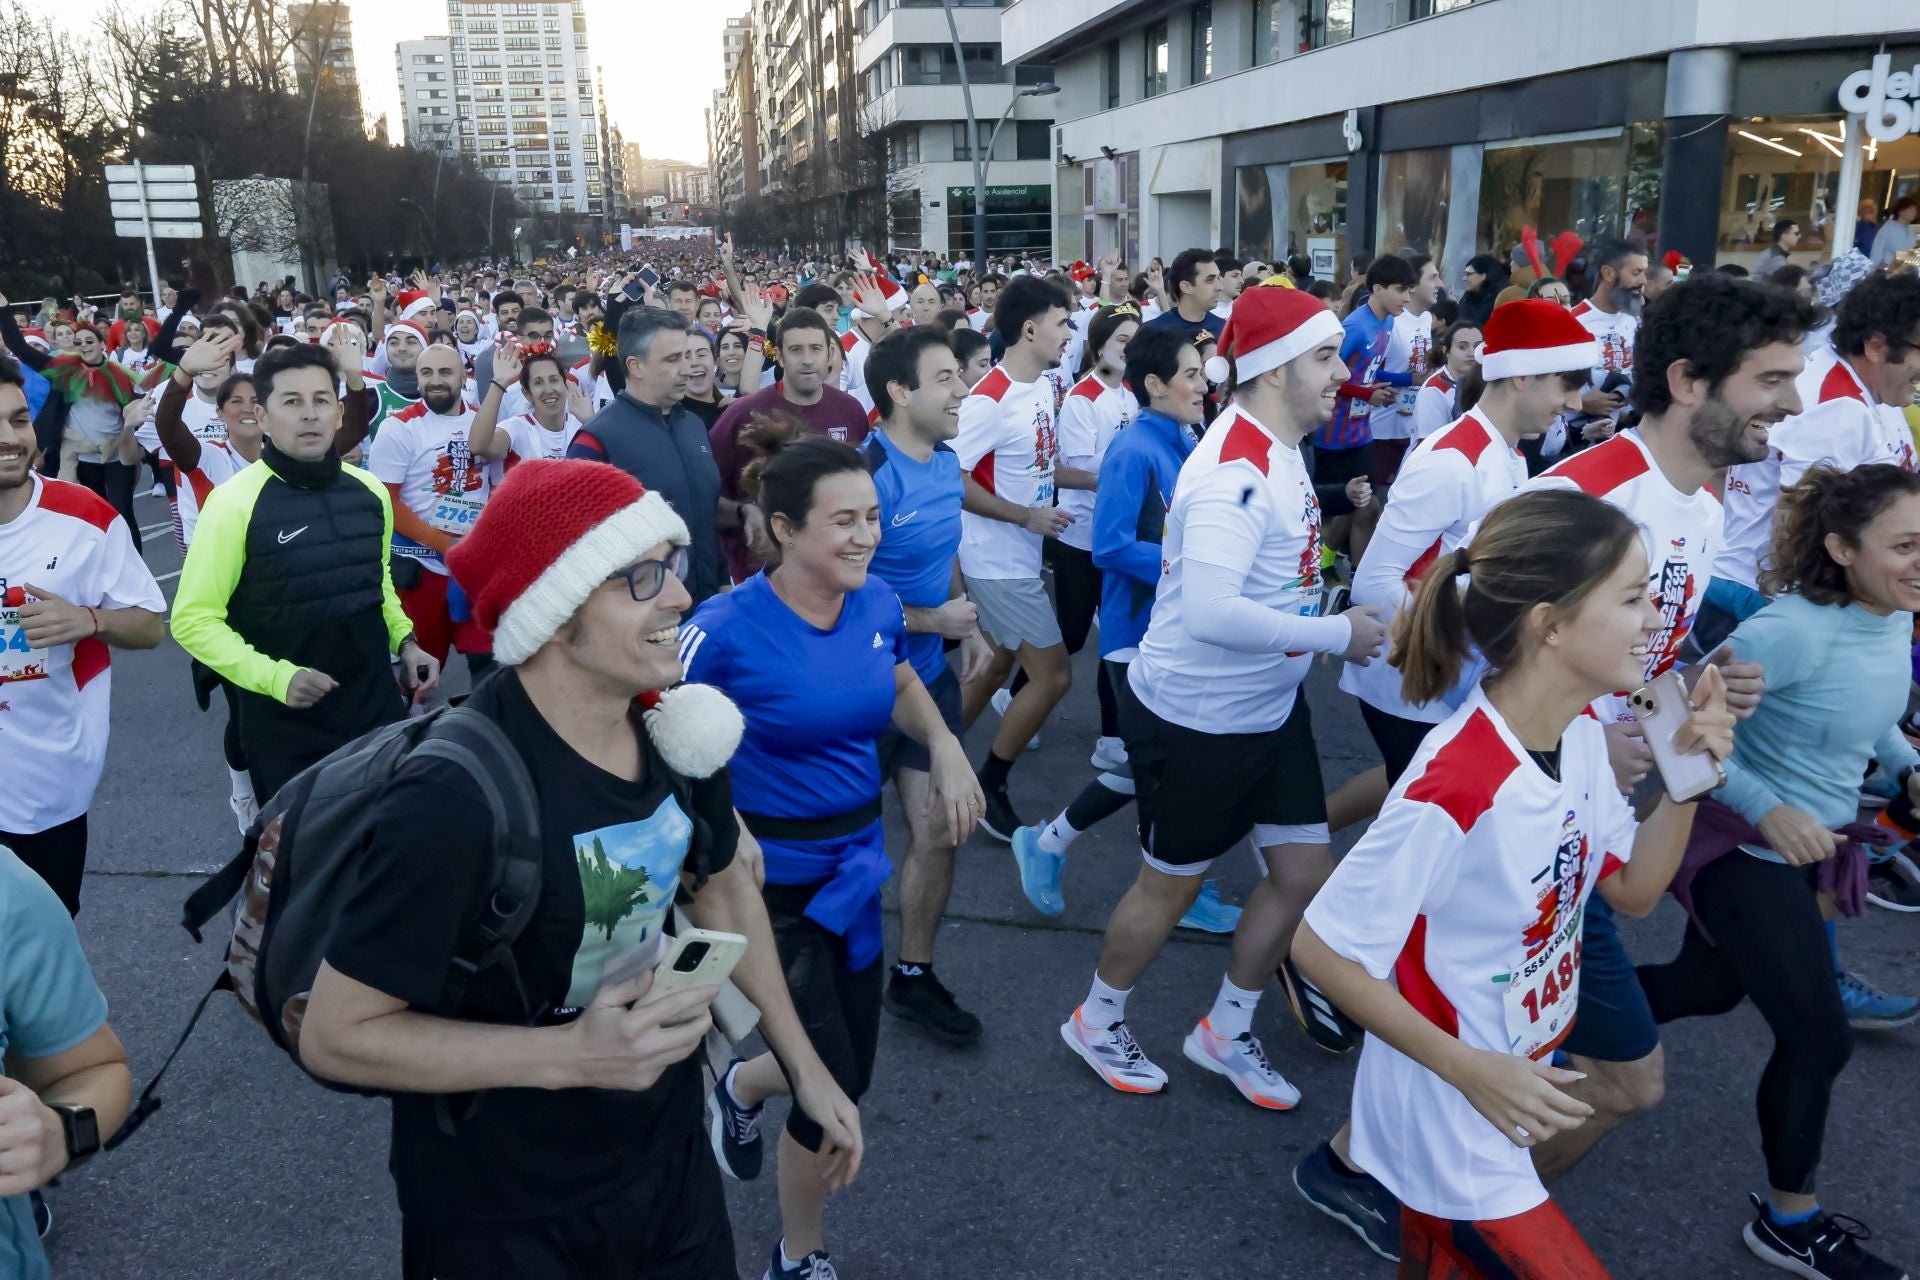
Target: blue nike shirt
[
  {"x": 815, "y": 700},
  {"x": 919, "y": 535}
]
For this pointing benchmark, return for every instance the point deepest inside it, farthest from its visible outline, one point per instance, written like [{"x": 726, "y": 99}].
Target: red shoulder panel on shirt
[
  {"x": 1603, "y": 468},
  {"x": 1439, "y": 381},
  {"x": 849, "y": 340},
  {"x": 994, "y": 385},
  {"x": 587, "y": 440},
  {"x": 1088, "y": 388},
  {"x": 1463, "y": 775},
  {"x": 418, "y": 409},
  {"x": 1839, "y": 384},
  {"x": 1464, "y": 437},
  {"x": 1582, "y": 308},
  {"x": 90, "y": 658},
  {"x": 1244, "y": 440},
  {"x": 1418, "y": 986},
  {"x": 65, "y": 498}
]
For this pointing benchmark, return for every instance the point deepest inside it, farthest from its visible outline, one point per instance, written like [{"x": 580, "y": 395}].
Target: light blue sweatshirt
[{"x": 1837, "y": 681}]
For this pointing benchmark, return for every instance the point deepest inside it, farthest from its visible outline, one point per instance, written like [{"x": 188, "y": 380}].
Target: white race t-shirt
[
  {"x": 1008, "y": 443},
  {"x": 202, "y": 417},
  {"x": 1841, "y": 425},
  {"x": 218, "y": 464},
  {"x": 53, "y": 702},
  {"x": 441, "y": 479},
  {"x": 526, "y": 438},
  {"x": 1243, "y": 501},
  {"x": 1615, "y": 332},
  {"x": 1408, "y": 344},
  {"x": 1434, "y": 405},
  {"x": 1092, "y": 414},
  {"x": 1681, "y": 532},
  {"x": 853, "y": 374},
  {"x": 1449, "y": 480},
  {"x": 1468, "y": 891}
]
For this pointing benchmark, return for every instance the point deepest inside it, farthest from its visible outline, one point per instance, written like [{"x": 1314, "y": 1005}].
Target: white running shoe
[
  {"x": 245, "y": 809},
  {"x": 1244, "y": 1062},
  {"x": 1000, "y": 701},
  {"x": 1114, "y": 1055},
  {"x": 1109, "y": 754}
]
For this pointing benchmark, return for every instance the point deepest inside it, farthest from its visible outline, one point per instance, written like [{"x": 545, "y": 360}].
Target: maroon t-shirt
[{"x": 835, "y": 415}]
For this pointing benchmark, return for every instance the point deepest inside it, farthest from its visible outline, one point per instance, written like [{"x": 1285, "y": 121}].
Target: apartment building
[
  {"x": 322, "y": 38},
  {"x": 1450, "y": 126},
  {"x": 425, "y": 71},
  {"x": 525, "y": 102}
]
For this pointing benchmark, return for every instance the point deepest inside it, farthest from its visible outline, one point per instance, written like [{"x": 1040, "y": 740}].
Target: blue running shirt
[
  {"x": 919, "y": 535},
  {"x": 815, "y": 701}
]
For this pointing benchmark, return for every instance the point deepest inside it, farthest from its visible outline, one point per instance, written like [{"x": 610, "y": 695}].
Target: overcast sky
[{"x": 660, "y": 61}]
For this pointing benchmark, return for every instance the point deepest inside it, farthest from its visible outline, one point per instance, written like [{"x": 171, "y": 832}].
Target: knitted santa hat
[
  {"x": 414, "y": 302},
  {"x": 550, "y": 534},
  {"x": 1533, "y": 336},
  {"x": 414, "y": 327},
  {"x": 1268, "y": 328}
]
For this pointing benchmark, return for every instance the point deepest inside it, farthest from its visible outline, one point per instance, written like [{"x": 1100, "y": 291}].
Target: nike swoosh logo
[
  {"x": 287, "y": 537},
  {"x": 902, "y": 519}
]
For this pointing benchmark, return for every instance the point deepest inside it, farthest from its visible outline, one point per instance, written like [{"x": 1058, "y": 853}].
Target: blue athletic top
[
  {"x": 815, "y": 701},
  {"x": 1364, "y": 351},
  {"x": 1130, "y": 522},
  {"x": 919, "y": 536}
]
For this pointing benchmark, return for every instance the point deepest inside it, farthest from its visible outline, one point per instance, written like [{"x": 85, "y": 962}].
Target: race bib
[
  {"x": 1541, "y": 996},
  {"x": 18, "y": 659},
  {"x": 453, "y": 514},
  {"x": 1404, "y": 398}
]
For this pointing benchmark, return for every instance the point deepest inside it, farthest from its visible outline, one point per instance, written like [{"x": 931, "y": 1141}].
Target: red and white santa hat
[
  {"x": 414, "y": 327},
  {"x": 552, "y": 533},
  {"x": 1268, "y": 328},
  {"x": 1533, "y": 336},
  {"x": 414, "y": 302},
  {"x": 896, "y": 296}
]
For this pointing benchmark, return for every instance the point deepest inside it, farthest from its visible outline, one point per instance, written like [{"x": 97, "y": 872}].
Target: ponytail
[{"x": 1542, "y": 546}]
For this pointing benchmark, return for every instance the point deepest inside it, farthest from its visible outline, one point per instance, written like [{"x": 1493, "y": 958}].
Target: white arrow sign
[
  {"x": 157, "y": 209},
  {"x": 153, "y": 191},
  {"x": 154, "y": 172},
  {"x": 161, "y": 230}
]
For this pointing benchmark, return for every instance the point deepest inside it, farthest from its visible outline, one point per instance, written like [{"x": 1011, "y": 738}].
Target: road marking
[{"x": 167, "y": 577}]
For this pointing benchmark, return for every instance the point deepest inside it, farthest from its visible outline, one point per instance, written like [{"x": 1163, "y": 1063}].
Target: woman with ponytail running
[{"x": 1451, "y": 932}]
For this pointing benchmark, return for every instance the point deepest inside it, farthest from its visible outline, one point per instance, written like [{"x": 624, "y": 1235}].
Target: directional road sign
[
  {"x": 160, "y": 230},
  {"x": 153, "y": 191},
  {"x": 153, "y": 172},
  {"x": 157, "y": 208}
]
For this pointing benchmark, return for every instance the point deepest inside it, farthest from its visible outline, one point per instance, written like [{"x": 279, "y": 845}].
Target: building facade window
[
  {"x": 1200, "y": 43},
  {"x": 1414, "y": 187},
  {"x": 1325, "y": 22},
  {"x": 1112, "y": 64},
  {"x": 1155, "y": 82}
]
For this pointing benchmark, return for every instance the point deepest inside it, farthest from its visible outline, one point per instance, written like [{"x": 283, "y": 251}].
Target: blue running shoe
[
  {"x": 1039, "y": 871},
  {"x": 1360, "y": 1203},
  {"x": 734, "y": 1130},
  {"x": 815, "y": 1266},
  {"x": 1208, "y": 914},
  {"x": 1871, "y": 1009}
]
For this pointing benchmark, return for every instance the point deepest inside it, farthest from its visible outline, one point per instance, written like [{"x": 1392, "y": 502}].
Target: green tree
[{"x": 611, "y": 891}]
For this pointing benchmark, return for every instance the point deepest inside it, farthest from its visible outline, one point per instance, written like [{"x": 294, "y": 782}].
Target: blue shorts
[{"x": 1613, "y": 1021}]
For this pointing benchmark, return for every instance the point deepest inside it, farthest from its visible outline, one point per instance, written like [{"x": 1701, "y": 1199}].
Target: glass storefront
[
  {"x": 1285, "y": 209},
  {"x": 1019, "y": 219},
  {"x": 1576, "y": 185},
  {"x": 1789, "y": 167},
  {"x": 1414, "y": 186}
]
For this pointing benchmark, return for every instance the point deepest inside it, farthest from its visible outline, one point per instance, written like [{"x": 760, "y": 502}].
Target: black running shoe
[
  {"x": 735, "y": 1131},
  {"x": 1000, "y": 821},
  {"x": 924, "y": 1000},
  {"x": 1826, "y": 1247},
  {"x": 1325, "y": 1025}
]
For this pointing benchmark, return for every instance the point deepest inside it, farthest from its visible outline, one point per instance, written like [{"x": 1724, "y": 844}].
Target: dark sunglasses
[{"x": 645, "y": 579}]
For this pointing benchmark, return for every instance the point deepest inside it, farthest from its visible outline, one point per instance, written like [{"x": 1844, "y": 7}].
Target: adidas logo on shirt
[{"x": 877, "y": 642}]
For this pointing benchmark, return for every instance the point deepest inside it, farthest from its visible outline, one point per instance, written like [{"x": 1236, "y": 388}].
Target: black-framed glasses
[{"x": 645, "y": 578}]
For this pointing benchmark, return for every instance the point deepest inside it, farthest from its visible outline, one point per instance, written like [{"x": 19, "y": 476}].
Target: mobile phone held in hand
[
  {"x": 1661, "y": 707},
  {"x": 696, "y": 958}
]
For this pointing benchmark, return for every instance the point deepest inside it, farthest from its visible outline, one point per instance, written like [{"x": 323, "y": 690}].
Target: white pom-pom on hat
[
  {"x": 695, "y": 727},
  {"x": 1218, "y": 369}
]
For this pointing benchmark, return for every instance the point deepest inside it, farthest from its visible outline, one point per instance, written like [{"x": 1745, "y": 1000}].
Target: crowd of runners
[{"x": 1622, "y": 577}]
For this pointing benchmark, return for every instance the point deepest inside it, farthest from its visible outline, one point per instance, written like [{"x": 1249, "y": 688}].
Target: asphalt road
[{"x": 1010, "y": 1160}]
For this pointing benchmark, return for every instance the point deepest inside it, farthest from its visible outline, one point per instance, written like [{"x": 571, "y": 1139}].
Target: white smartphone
[
  {"x": 1661, "y": 707},
  {"x": 696, "y": 958}
]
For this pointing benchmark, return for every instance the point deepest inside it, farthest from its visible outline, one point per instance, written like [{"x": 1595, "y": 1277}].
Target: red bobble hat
[
  {"x": 548, "y": 536},
  {"x": 1534, "y": 336},
  {"x": 1269, "y": 327}
]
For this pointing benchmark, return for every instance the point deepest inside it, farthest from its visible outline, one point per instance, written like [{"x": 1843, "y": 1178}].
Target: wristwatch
[{"x": 82, "y": 1130}]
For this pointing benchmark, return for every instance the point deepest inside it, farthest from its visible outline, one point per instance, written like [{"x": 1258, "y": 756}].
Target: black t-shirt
[{"x": 613, "y": 856}]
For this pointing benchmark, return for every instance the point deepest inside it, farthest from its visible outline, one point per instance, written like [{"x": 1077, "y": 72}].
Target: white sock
[
  {"x": 1105, "y": 1006},
  {"x": 1233, "y": 1008},
  {"x": 786, "y": 1257},
  {"x": 726, "y": 1082},
  {"x": 241, "y": 782},
  {"x": 1058, "y": 836}
]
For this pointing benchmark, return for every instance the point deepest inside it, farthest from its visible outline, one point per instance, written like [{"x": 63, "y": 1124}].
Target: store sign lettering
[{"x": 1884, "y": 99}]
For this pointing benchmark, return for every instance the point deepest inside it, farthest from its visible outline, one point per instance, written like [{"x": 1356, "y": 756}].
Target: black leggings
[
  {"x": 1768, "y": 945},
  {"x": 57, "y": 855},
  {"x": 1076, "y": 601},
  {"x": 114, "y": 482},
  {"x": 839, "y": 1007},
  {"x": 1397, "y": 738}
]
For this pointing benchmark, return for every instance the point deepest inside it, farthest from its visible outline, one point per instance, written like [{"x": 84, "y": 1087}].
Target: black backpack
[{"x": 299, "y": 863}]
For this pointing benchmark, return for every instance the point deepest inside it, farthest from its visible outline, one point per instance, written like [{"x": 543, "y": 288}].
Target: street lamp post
[{"x": 981, "y": 163}]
